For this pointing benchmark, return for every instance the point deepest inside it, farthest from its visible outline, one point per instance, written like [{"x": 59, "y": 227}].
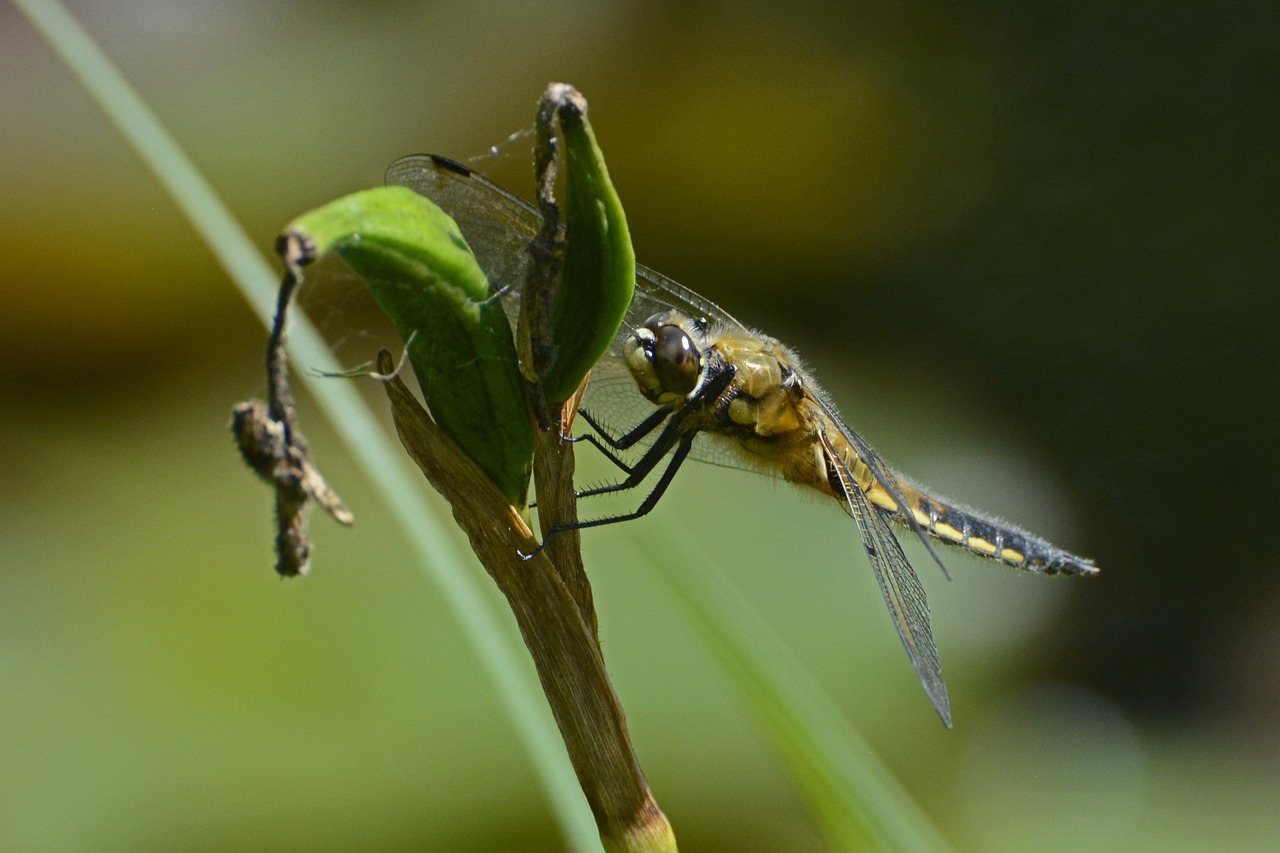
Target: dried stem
[
  {"x": 270, "y": 441},
  {"x": 559, "y": 634}
]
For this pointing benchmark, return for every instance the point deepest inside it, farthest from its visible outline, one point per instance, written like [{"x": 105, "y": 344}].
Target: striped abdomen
[{"x": 975, "y": 533}]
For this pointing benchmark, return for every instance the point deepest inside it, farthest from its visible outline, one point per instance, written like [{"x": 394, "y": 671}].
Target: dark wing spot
[{"x": 451, "y": 165}]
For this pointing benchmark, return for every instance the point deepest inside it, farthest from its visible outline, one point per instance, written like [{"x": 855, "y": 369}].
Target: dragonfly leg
[
  {"x": 677, "y": 458},
  {"x": 637, "y": 472},
  {"x": 673, "y": 434},
  {"x": 644, "y": 428},
  {"x": 644, "y": 509},
  {"x": 625, "y": 441},
  {"x": 601, "y": 438},
  {"x": 604, "y": 451}
]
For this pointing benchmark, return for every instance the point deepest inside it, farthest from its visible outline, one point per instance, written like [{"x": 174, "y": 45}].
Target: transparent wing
[
  {"x": 891, "y": 480},
  {"x": 498, "y": 225},
  {"x": 902, "y": 590}
]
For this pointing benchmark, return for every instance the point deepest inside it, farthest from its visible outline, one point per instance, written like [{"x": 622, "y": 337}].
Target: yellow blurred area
[{"x": 864, "y": 184}]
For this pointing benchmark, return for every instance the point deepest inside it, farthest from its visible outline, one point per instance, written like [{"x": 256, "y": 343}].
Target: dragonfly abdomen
[
  {"x": 964, "y": 528},
  {"x": 989, "y": 538}
]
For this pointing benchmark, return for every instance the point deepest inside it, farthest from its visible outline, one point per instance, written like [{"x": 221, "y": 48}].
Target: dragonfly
[{"x": 684, "y": 379}]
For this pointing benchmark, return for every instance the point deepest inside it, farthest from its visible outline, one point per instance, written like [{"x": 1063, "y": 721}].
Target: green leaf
[
  {"x": 423, "y": 274},
  {"x": 599, "y": 274}
]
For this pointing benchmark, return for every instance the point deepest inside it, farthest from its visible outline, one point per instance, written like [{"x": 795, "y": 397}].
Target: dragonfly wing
[
  {"x": 498, "y": 225},
  {"x": 902, "y": 590}
]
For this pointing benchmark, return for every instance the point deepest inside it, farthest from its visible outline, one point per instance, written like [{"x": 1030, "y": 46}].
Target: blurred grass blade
[
  {"x": 420, "y": 269},
  {"x": 859, "y": 803},
  {"x": 428, "y": 531}
]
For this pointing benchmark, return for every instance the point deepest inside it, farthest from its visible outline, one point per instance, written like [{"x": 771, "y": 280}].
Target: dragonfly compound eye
[{"x": 676, "y": 360}]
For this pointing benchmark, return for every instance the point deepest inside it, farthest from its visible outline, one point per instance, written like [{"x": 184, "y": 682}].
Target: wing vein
[{"x": 899, "y": 584}]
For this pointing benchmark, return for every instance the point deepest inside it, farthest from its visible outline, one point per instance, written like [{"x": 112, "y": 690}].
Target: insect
[{"x": 685, "y": 378}]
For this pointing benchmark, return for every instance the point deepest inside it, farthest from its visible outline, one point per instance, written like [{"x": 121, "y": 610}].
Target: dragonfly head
[{"x": 665, "y": 358}]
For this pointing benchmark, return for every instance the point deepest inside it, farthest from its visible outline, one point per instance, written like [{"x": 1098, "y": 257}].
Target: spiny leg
[
  {"x": 706, "y": 396},
  {"x": 643, "y": 429},
  {"x": 671, "y": 435},
  {"x": 629, "y": 438},
  {"x": 677, "y": 459},
  {"x": 646, "y": 463}
]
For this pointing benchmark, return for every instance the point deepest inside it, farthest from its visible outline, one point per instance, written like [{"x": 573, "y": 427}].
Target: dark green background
[{"x": 1031, "y": 250}]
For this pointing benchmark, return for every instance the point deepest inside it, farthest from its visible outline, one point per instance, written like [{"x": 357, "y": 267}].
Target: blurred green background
[{"x": 1030, "y": 248}]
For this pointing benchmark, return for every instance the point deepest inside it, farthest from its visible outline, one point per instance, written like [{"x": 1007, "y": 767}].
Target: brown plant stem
[{"x": 560, "y": 637}]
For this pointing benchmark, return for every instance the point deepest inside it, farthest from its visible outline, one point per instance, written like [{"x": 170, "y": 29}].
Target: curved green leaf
[
  {"x": 423, "y": 274},
  {"x": 599, "y": 274}
]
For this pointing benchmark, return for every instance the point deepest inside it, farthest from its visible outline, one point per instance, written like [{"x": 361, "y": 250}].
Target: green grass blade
[
  {"x": 426, "y": 526},
  {"x": 859, "y": 803}
]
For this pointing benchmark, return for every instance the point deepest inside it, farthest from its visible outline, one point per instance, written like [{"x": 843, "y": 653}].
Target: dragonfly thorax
[{"x": 664, "y": 355}]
